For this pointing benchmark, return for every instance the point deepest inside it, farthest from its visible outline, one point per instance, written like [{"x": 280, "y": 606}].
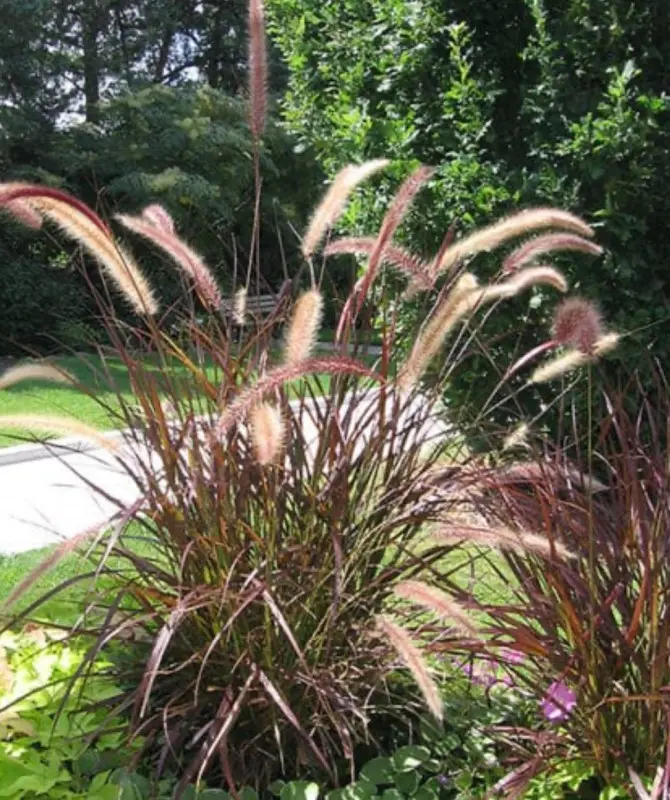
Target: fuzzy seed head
[
  {"x": 493, "y": 236},
  {"x": 267, "y": 433},
  {"x": 97, "y": 240},
  {"x": 240, "y": 306},
  {"x": 23, "y": 212},
  {"x": 331, "y": 207},
  {"x": 60, "y": 425},
  {"x": 439, "y": 602},
  {"x": 577, "y": 323},
  {"x": 410, "y": 654},
  {"x": 258, "y": 68},
  {"x": 304, "y": 328},
  {"x": 157, "y": 216},
  {"x": 527, "y": 252},
  {"x": 34, "y": 372}
]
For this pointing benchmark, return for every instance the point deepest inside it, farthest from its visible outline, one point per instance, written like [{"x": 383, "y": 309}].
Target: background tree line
[{"x": 123, "y": 103}]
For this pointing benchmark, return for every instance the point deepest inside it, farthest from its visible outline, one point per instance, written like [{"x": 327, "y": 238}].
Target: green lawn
[{"x": 33, "y": 397}]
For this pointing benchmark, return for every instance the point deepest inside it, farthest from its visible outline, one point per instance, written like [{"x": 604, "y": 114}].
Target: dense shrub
[{"x": 519, "y": 103}]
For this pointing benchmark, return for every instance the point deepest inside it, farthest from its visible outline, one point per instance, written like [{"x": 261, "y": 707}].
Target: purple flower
[{"x": 558, "y": 702}]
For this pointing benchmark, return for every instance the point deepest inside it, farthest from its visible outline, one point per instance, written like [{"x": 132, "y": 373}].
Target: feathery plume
[
  {"x": 577, "y": 323},
  {"x": 23, "y": 212},
  {"x": 100, "y": 244},
  {"x": 532, "y": 276},
  {"x": 517, "y": 437},
  {"x": 494, "y": 235},
  {"x": 403, "y": 199},
  {"x": 34, "y": 372},
  {"x": 157, "y": 216},
  {"x": 410, "y": 654},
  {"x": 267, "y": 433},
  {"x": 503, "y": 539},
  {"x": 439, "y": 602},
  {"x": 240, "y": 306},
  {"x": 61, "y": 425},
  {"x": 410, "y": 264},
  {"x": 573, "y": 359},
  {"x": 258, "y": 68},
  {"x": 252, "y": 395},
  {"x": 462, "y": 299},
  {"x": 185, "y": 258},
  {"x": 30, "y": 191},
  {"x": 547, "y": 243},
  {"x": 304, "y": 327},
  {"x": 559, "y": 366},
  {"x": 331, "y": 206}
]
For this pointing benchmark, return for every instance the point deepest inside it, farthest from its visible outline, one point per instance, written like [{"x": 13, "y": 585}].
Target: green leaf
[
  {"x": 424, "y": 793},
  {"x": 276, "y": 787},
  {"x": 410, "y": 757},
  {"x": 408, "y": 782},
  {"x": 361, "y": 790},
  {"x": 379, "y": 770},
  {"x": 247, "y": 793},
  {"x": 300, "y": 790},
  {"x": 392, "y": 794}
]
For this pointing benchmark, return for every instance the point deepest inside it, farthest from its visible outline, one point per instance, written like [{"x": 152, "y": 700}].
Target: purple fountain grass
[
  {"x": 183, "y": 255},
  {"x": 334, "y": 201},
  {"x": 527, "y": 252}
]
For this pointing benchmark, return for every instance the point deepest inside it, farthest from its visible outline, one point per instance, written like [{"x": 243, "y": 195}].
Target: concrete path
[{"x": 45, "y": 498}]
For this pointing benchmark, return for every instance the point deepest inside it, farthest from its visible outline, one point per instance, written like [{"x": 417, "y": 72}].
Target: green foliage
[
  {"x": 517, "y": 104},
  {"x": 186, "y": 148}
]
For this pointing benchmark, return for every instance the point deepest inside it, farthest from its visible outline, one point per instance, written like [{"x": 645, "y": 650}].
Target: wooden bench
[{"x": 256, "y": 308}]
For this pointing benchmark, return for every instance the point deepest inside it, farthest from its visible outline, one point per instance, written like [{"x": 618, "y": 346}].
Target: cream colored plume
[
  {"x": 573, "y": 359},
  {"x": 439, "y": 602},
  {"x": 411, "y": 656},
  {"x": 331, "y": 207},
  {"x": 502, "y": 538},
  {"x": 267, "y": 433},
  {"x": 494, "y": 235},
  {"x": 34, "y": 372},
  {"x": 60, "y": 425},
  {"x": 304, "y": 327},
  {"x": 115, "y": 261}
]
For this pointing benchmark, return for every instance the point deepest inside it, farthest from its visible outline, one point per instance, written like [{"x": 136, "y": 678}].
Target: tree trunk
[{"x": 90, "y": 27}]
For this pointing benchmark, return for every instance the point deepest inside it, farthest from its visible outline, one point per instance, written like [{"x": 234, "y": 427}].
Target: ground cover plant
[{"x": 261, "y": 609}]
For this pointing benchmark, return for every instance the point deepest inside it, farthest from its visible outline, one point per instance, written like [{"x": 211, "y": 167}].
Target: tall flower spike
[
  {"x": 577, "y": 323},
  {"x": 60, "y": 425},
  {"x": 97, "y": 240},
  {"x": 157, "y": 216},
  {"x": 185, "y": 257},
  {"x": 411, "y": 656},
  {"x": 437, "y": 601},
  {"x": 550, "y": 242},
  {"x": 34, "y": 372},
  {"x": 332, "y": 205},
  {"x": 411, "y": 265},
  {"x": 304, "y": 328},
  {"x": 573, "y": 359},
  {"x": 258, "y": 68},
  {"x": 494, "y": 235},
  {"x": 403, "y": 199},
  {"x": 267, "y": 433}
]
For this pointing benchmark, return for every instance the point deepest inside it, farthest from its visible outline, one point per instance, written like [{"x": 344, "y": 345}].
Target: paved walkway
[{"x": 44, "y": 498}]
